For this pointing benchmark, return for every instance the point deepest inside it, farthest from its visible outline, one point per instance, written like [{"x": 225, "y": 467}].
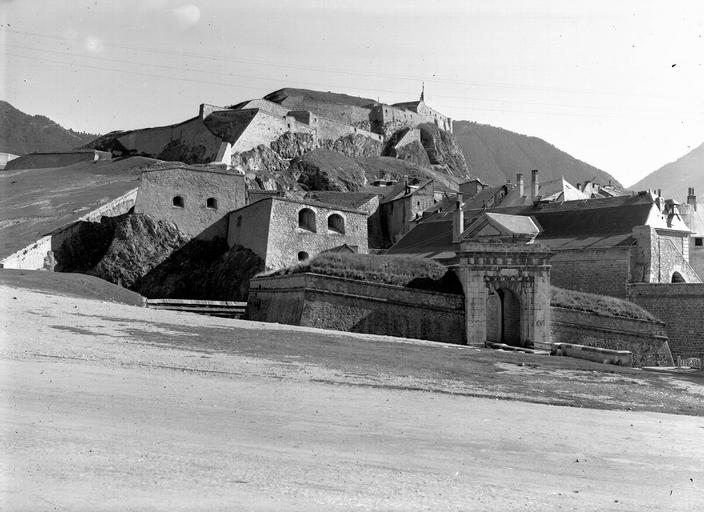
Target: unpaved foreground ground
[{"x": 110, "y": 407}]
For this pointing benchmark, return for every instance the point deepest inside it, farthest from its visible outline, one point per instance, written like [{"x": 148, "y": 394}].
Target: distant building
[
  {"x": 693, "y": 216},
  {"x": 196, "y": 200},
  {"x": 285, "y": 231}
]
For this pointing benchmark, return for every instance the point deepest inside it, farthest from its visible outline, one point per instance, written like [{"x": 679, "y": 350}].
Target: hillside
[
  {"x": 495, "y": 155},
  {"x": 676, "y": 177},
  {"x": 22, "y": 133}
]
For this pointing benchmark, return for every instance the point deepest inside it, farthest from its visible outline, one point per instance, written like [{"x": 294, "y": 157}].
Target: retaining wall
[
  {"x": 647, "y": 341},
  {"x": 681, "y": 307},
  {"x": 326, "y": 302}
]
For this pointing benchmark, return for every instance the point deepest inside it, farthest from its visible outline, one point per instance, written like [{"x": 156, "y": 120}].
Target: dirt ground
[{"x": 107, "y": 406}]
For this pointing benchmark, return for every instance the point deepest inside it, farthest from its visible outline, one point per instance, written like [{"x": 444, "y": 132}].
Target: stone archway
[{"x": 507, "y": 292}]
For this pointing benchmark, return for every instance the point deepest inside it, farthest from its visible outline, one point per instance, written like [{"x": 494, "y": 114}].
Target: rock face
[
  {"x": 264, "y": 169},
  {"x": 290, "y": 145},
  {"x": 443, "y": 151},
  {"x": 323, "y": 169},
  {"x": 353, "y": 145}
]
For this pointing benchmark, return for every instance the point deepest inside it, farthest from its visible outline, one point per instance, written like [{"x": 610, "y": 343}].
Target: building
[
  {"x": 693, "y": 216},
  {"x": 599, "y": 245},
  {"x": 197, "y": 200},
  {"x": 285, "y": 231}
]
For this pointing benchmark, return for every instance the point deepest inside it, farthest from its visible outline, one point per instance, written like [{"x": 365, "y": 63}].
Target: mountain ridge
[
  {"x": 674, "y": 178},
  {"x": 22, "y": 133}
]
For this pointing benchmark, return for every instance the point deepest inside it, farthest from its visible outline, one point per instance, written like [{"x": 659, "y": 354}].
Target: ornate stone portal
[{"x": 507, "y": 292}]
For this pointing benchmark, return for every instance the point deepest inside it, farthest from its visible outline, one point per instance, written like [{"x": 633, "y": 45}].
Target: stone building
[
  {"x": 285, "y": 231},
  {"x": 196, "y": 200},
  {"x": 693, "y": 216},
  {"x": 599, "y": 245}
]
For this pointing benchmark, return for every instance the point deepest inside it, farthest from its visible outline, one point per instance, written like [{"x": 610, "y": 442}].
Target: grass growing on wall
[
  {"x": 408, "y": 271},
  {"x": 600, "y": 304}
]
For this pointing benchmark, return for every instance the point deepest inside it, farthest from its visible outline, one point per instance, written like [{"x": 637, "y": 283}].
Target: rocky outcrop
[
  {"x": 323, "y": 169},
  {"x": 443, "y": 151},
  {"x": 290, "y": 145},
  {"x": 353, "y": 145},
  {"x": 264, "y": 169}
]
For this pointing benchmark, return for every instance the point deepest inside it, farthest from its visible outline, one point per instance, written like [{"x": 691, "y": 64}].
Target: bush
[{"x": 600, "y": 304}]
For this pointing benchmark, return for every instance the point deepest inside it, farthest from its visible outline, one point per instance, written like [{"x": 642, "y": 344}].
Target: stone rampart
[
  {"x": 681, "y": 307},
  {"x": 647, "y": 341},
  {"x": 326, "y": 302},
  {"x": 601, "y": 271},
  {"x": 58, "y": 159}
]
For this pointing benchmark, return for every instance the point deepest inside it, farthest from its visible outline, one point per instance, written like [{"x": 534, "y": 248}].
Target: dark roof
[
  {"x": 478, "y": 200},
  {"x": 399, "y": 191},
  {"x": 590, "y": 223},
  {"x": 345, "y": 199}
]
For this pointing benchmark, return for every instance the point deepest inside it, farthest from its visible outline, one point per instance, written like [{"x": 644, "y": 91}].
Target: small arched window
[
  {"x": 211, "y": 203},
  {"x": 677, "y": 278},
  {"x": 336, "y": 224},
  {"x": 306, "y": 219},
  {"x": 302, "y": 256},
  {"x": 178, "y": 201}
]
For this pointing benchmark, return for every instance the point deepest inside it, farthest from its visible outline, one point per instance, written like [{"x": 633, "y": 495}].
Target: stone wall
[
  {"x": 647, "y": 341},
  {"x": 326, "y": 302},
  {"x": 601, "y": 271},
  {"x": 681, "y": 307},
  {"x": 249, "y": 227},
  {"x": 287, "y": 239},
  {"x": 158, "y": 189},
  {"x": 660, "y": 253}
]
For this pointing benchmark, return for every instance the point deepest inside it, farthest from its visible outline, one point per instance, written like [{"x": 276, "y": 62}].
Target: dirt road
[{"x": 98, "y": 412}]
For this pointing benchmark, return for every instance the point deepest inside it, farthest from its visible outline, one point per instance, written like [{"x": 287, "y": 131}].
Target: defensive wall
[
  {"x": 600, "y": 271},
  {"x": 681, "y": 307},
  {"x": 205, "y": 198},
  {"x": 32, "y": 256},
  {"x": 326, "y": 302},
  {"x": 647, "y": 341},
  {"x": 57, "y": 159},
  {"x": 659, "y": 254}
]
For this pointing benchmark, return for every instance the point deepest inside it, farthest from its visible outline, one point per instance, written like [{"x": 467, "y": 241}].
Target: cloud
[
  {"x": 93, "y": 44},
  {"x": 186, "y": 15}
]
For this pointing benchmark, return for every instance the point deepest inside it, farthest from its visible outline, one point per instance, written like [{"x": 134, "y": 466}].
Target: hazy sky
[{"x": 618, "y": 84}]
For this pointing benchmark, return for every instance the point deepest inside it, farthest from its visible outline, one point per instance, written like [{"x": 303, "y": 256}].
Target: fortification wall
[
  {"x": 681, "y": 307},
  {"x": 332, "y": 130},
  {"x": 32, "y": 256},
  {"x": 601, "y": 271},
  {"x": 263, "y": 129},
  {"x": 190, "y": 142},
  {"x": 659, "y": 254},
  {"x": 347, "y": 114},
  {"x": 158, "y": 189},
  {"x": 49, "y": 160},
  {"x": 647, "y": 341},
  {"x": 326, "y": 302}
]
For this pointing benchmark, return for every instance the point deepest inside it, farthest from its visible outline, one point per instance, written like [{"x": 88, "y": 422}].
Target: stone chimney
[
  {"x": 691, "y": 198},
  {"x": 534, "y": 185},
  {"x": 458, "y": 219},
  {"x": 519, "y": 182}
]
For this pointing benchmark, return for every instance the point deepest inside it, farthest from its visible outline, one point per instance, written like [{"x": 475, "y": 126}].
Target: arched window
[
  {"x": 178, "y": 201},
  {"x": 336, "y": 224},
  {"x": 302, "y": 256},
  {"x": 306, "y": 219},
  {"x": 211, "y": 203},
  {"x": 677, "y": 278}
]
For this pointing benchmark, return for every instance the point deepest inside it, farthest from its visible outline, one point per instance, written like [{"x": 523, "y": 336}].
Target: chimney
[
  {"x": 691, "y": 198},
  {"x": 659, "y": 192},
  {"x": 534, "y": 184},
  {"x": 458, "y": 219},
  {"x": 519, "y": 182}
]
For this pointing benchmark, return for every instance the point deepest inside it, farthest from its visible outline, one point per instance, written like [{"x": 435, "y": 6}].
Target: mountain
[
  {"x": 496, "y": 155},
  {"x": 21, "y": 133},
  {"x": 676, "y": 177}
]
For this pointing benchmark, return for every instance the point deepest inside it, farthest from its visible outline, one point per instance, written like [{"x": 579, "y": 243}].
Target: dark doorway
[
  {"x": 503, "y": 317},
  {"x": 677, "y": 278}
]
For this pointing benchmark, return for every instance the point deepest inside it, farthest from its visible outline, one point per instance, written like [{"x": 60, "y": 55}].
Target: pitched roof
[
  {"x": 399, "y": 191},
  {"x": 591, "y": 223},
  {"x": 554, "y": 190}
]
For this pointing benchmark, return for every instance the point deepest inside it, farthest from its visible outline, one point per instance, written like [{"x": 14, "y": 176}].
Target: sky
[{"x": 617, "y": 84}]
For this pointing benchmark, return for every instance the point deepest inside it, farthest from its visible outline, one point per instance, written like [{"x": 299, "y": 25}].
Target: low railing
[{"x": 220, "y": 308}]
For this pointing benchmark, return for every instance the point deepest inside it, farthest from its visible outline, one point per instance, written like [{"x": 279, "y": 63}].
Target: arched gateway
[{"x": 507, "y": 292}]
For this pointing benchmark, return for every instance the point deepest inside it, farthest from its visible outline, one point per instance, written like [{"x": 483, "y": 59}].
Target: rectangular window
[{"x": 698, "y": 242}]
